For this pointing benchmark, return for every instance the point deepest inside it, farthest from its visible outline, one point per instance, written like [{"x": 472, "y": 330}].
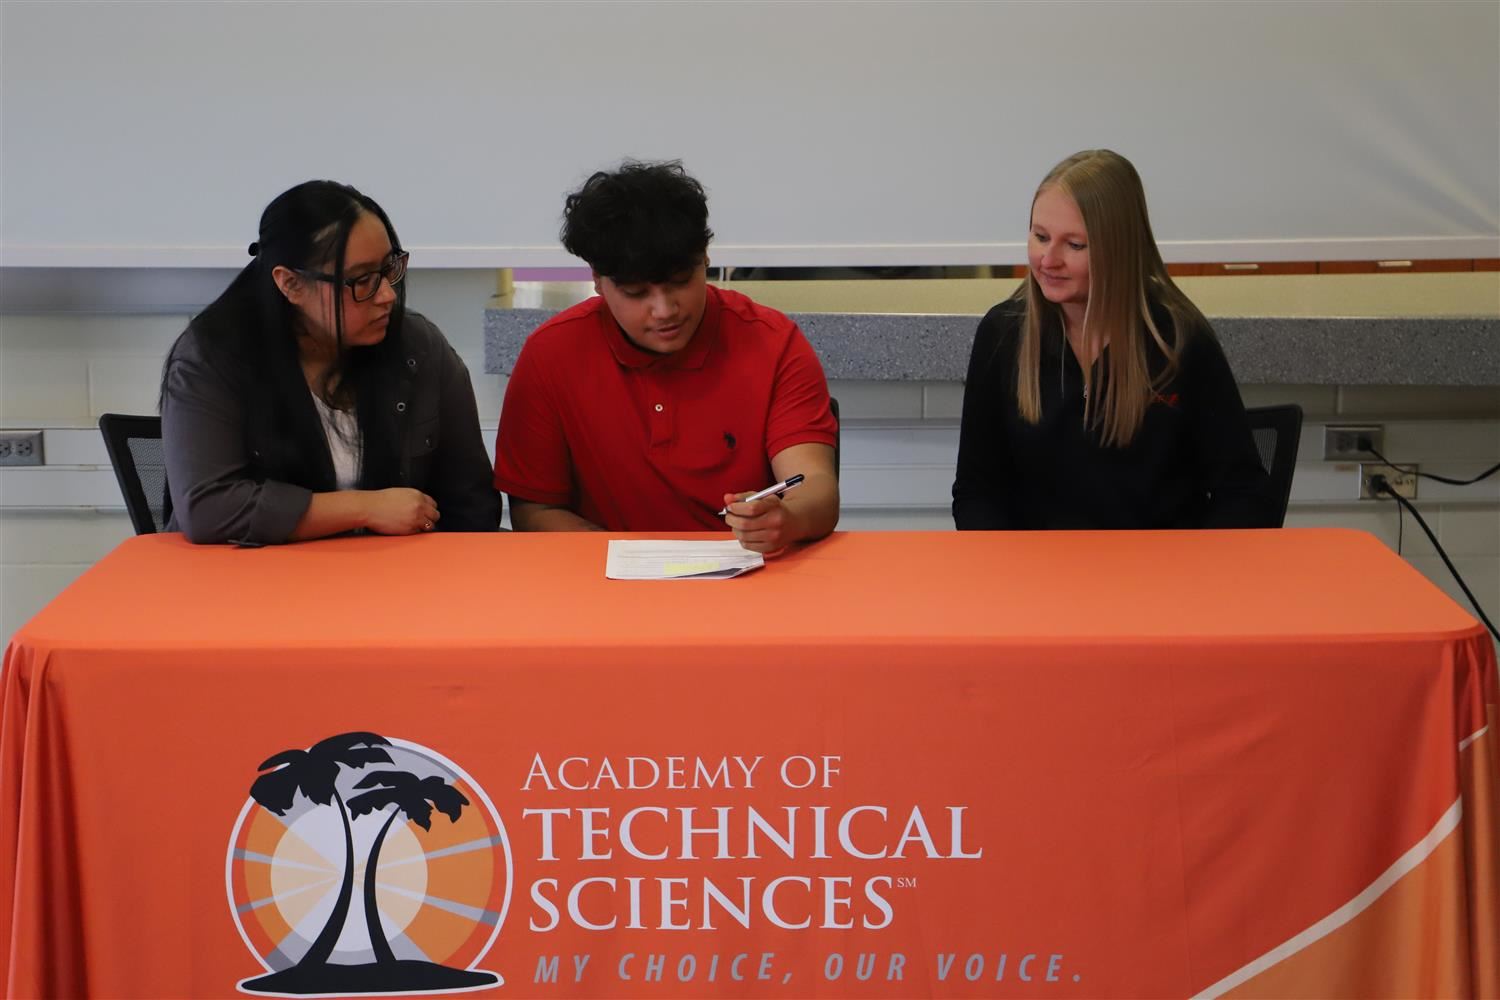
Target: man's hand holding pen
[{"x": 760, "y": 520}]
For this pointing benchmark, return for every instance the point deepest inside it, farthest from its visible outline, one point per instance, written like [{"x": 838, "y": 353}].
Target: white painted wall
[{"x": 827, "y": 132}]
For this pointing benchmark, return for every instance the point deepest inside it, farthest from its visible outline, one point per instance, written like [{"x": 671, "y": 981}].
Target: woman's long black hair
[{"x": 249, "y": 334}]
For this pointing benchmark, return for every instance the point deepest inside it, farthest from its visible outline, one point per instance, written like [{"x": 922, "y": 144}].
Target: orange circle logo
[{"x": 367, "y": 865}]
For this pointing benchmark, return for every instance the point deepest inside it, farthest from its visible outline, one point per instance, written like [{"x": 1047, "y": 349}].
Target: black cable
[
  {"x": 1400, "y": 525},
  {"x": 1380, "y": 485},
  {"x": 1365, "y": 444}
]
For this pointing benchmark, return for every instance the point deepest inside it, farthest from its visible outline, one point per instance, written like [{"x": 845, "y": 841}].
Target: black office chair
[
  {"x": 134, "y": 445},
  {"x": 838, "y": 433},
  {"x": 1277, "y": 430}
]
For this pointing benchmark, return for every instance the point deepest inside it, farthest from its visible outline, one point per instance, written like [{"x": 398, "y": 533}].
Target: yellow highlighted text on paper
[{"x": 690, "y": 568}]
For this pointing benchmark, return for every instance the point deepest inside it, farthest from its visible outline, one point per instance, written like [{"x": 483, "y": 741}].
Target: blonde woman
[{"x": 1097, "y": 395}]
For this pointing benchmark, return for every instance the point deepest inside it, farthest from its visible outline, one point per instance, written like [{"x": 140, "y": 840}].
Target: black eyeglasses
[{"x": 364, "y": 287}]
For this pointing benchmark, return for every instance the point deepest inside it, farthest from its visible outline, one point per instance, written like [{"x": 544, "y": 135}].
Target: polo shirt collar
[{"x": 690, "y": 357}]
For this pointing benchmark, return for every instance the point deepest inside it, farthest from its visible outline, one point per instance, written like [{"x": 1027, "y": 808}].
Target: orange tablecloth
[{"x": 1072, "y": 765}]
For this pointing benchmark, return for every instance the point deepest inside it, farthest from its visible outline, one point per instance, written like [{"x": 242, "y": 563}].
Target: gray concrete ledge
[{"x": 1262, "y": 350}]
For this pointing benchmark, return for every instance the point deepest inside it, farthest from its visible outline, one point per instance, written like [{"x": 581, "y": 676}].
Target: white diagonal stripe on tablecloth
[{"x": 1338, "y": 918}]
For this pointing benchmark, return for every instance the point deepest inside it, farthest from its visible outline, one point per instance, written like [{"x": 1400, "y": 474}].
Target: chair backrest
[
  {"x": 134, "y": 445},
  {"x": 838, "y": 433},
  {"x": 1277, "y": 430}
]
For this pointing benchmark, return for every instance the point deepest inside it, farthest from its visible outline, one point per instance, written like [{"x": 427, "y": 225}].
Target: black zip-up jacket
[
  {"x": 1192, "y": 464},
  {"x": 225, "y": 489}
]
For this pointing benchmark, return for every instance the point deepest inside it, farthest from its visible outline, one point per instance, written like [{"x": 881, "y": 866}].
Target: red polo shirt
[{"x": 635, "y": 441}]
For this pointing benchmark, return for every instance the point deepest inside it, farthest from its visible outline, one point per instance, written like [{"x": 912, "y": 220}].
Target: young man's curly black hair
[{"x": 645, "y": 222}]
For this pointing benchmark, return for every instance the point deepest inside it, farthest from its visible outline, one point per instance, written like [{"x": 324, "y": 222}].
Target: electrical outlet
[
  {"x": 1341, "y": 441},
  {"x": 1402, "y": 480},
  {"x": 20, "y": 447}
]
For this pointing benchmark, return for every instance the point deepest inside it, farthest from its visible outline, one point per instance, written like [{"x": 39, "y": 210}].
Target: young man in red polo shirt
[{"x": 662, "y": 400}]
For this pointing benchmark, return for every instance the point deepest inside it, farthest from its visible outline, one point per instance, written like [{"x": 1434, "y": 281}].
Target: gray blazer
[{"x": 223, "y": 491}]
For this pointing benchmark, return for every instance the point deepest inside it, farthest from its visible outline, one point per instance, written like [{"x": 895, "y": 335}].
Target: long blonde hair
[{"x": 1126, "y": 275}]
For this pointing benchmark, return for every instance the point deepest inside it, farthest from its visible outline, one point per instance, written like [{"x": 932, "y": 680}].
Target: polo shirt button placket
[{"x": 661, "y": 428}]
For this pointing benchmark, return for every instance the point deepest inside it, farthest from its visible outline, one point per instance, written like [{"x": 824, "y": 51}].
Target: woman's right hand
[{"x": 400, "y": 511}]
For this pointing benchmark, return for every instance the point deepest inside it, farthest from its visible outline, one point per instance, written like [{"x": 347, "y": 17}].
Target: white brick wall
[{"x": 60, "y": 371}]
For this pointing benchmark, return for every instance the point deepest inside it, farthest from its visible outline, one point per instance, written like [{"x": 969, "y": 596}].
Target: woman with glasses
[{"x": 306, "y": 401}]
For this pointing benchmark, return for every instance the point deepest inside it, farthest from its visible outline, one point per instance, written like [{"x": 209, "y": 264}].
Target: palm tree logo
[{"x": 432, "y": 895}]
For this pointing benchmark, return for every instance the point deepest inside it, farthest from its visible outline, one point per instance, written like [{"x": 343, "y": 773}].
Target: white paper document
[{"x": 650, "y": 559}]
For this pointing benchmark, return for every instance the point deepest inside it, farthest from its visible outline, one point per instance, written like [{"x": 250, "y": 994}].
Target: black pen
[{"x": 769, "y": 491}]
